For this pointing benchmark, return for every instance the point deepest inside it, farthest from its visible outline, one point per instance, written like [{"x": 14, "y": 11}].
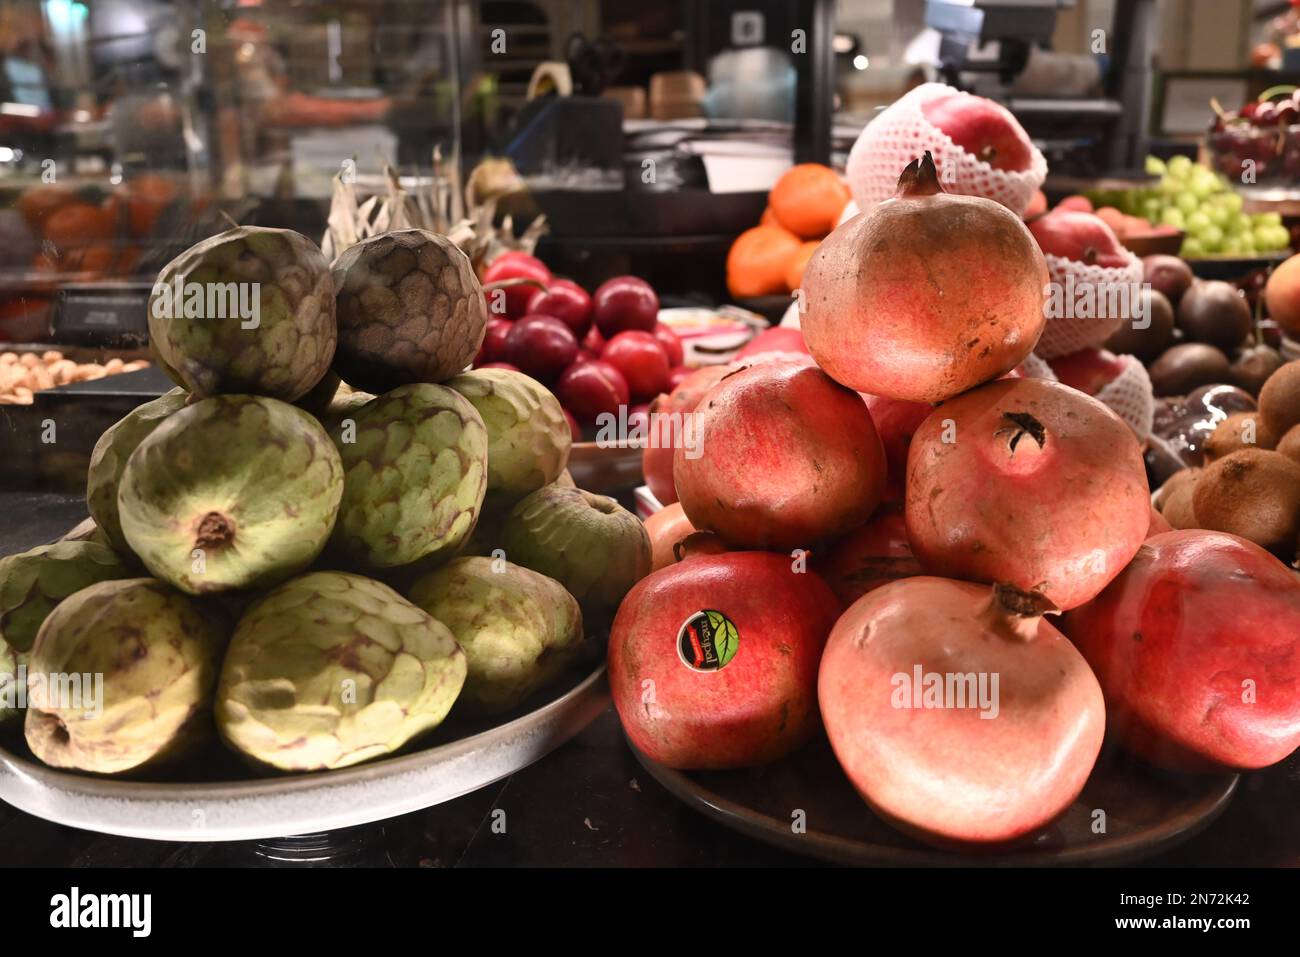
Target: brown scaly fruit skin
[
  {"x": 331, "y": 669},
  {"x": 415, "y": 473},
  {"x": 108, "y": 460},
  {"x": 159, "y": 655},
  {"x": 33, "y": 583},
  {"x": 292, "y": 346},
  {"x": 410, "y": 309}
]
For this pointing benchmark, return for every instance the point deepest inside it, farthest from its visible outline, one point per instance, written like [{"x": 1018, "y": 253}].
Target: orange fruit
[
  {"x": 96, "y": 259},
  {"x": 794, "y": 272},
  {"x": 808, "y": 200},
  {"x": 758, "y": 261},
  {"x": 78, "y": 225},
  {"x": 40, "y": 202},
  {"x": 768, "y": 218}
]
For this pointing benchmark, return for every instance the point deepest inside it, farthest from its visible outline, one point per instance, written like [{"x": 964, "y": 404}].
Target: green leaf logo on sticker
[{"x": 707, "y": 641}]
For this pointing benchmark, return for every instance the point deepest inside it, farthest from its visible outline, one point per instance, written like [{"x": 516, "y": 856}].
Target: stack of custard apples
[
  {"x": 949, "y": 565},
  {"x": 326, "y": 539}
]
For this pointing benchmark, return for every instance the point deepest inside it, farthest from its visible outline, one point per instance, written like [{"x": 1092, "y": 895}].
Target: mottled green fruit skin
[
  {"x": 10, "y": 661},
  {"x": 519, "y": 629},
  {"x": 108, "y": 460},
  {"x": 410, "y": 309},
  {"x": 528, "y": 436},
  {"x": 159, "y": 655},
  {"x": 588, "y": 543},
  {"x": 292, "y": 345},
  {"x": 34, "y": 582},
  {"x": 331, "y": 669},
  {"x": 415, "y": 474},
  {"x": 251, "y": 483}
]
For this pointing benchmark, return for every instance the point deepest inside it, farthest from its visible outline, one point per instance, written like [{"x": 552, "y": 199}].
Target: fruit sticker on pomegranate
[{"x": 707, "y": 641}]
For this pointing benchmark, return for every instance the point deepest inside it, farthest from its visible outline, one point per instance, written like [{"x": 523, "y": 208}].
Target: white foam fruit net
[
  {"x": 902, "y": 133},
  {"x": 1130, "y": 396},
  {"x": 1036, "y": 368},
  {"x": 1086, "y": 304}
]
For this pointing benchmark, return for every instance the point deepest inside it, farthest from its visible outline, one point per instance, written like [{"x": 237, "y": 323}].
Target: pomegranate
[
  {"x": 1088, "y": 370},
  {"x": 925, "y": 296},
  {"x": 959, "y": 713},
  {"x": 983, "y": 128},
  {"x": 868, "y": 557},
  {"x": 713, "y": 661},
  {"x": 1080, "y": 237},
  {"x": 778, "y": 339},
  {"x": 1197, "y": 647},
  {"x": 896, "y": 421},
  {"x": 677, "y": 375},
  {"x": 1159, "y": 524},
  {"x": 657, "y": 459},
  {"x": 566, "y": 301},
  {"x": 785, "y": 457},
  {"x": 1030, "y": 483}
]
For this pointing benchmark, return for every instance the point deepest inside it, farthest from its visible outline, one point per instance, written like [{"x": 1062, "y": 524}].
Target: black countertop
[{"x": 587, "y": 804}]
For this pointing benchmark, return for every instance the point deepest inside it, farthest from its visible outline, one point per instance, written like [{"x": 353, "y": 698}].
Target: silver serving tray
[{"x": 268, "y": 807}]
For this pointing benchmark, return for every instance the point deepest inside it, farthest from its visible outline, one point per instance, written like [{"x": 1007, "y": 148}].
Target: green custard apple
[
  {"x": 121, "y": 677},
  {"x": 519, "y": 629},
  {"x": 231, "y": 492},
  {"x": 330, "y": 669},
  {"x": 33, "y": 583}
]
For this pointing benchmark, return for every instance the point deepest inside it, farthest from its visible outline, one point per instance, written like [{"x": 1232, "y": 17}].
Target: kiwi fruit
[
  {"x": 1175, "y": 499},
  {"x": 1279, "y": 400},
  {"x": 1215, "y": 313},
  {"x": 1252, "y": 493},
  {"x": 1158, "y": 335},
  {"x": 1254, "y": 365},
  {"x": 1167, "y": 275},
  {"x": 1241, "y": 430},
  {"x": 1183, "y": 367},
  {"x": 1289, "y": 445}
]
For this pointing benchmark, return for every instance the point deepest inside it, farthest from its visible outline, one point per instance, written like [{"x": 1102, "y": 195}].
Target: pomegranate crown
[{"x": 920, "y": 178}]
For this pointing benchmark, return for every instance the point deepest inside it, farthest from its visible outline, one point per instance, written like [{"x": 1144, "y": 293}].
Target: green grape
[
  {"x": 1237, "y": 224},
  {"x": 1233, "y": 201},
  {"x": 1173, "y": 216},
  {"x": 1179, "y": 166},
  {"x": 1211, "y": 238},
  {"x": 1151, "y": 209},
  {"x": 1231, "y": 246},
  {"x": 1187, "y": 203},
  {"x": 1263, "y": 236},
  {"x": 1192, "y": 248},
  {"x": 1268, "y": 219},
  {"x": 1247, "y": 241},
  {"x": 1169, "y": 187},
  {"x": 1154, "y": 166},
  {"x": 1219, "y": 215},
  {"x": 1281, "y": 237},
  {"x": 1198, "y": 222}
]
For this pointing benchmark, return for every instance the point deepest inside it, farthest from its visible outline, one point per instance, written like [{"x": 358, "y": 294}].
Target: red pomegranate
[
  {"x": 1030, "y": 483},
  {"x": 868, "y": 557},
  {"x": 983, "y": 128},
  {"x": 713, "y": 661},
  {"x": 1197, "y": 647},
  {"x": 896, "y": 422},
  {"x": 657, "y": 459},
  {"x": 778, "y": 339},
  {"x": 786, "y": 457},
  {"x": 1079, "y": 237},
  {"x": 925, "y": 296},
  {"x": 957, "y": 712}
]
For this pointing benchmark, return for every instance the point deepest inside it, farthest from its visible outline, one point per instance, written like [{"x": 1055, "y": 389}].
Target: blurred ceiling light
[
  {"x": 7, "y": 155},
  {"x": 860, "y": 62},
  {"x": 844, "y": 43},
  {"x": 19, "y": 109}
]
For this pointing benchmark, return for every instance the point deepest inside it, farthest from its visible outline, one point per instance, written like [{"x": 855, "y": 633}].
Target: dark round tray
[{"x": 1147, "y": 811}]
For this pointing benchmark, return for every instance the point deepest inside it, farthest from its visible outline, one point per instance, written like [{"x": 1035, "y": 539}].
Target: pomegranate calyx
[
  {"x": 920, "y": 178},
  {"x": 1022, "y": 424},
  {"x": 1014, "y": 613}
]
